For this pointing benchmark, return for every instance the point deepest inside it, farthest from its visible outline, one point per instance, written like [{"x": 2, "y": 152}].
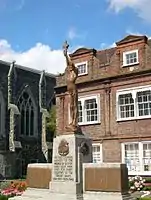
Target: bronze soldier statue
[{"x": 71, "y": 73}]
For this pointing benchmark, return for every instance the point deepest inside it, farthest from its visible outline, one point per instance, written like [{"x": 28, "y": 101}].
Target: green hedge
[
  {"x": 148, "y": 180},
  {"x": 2, "y": 197},
  {"x": 147, "y": 188},
  {"x": 144, "y": 198}
]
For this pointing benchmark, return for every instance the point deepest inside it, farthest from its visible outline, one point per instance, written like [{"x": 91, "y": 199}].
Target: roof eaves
[{"x": 36, "y": 71}]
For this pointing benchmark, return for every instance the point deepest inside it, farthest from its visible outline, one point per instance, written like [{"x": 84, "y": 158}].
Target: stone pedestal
[
  {"x": 63, "y": 179},
  {"x": 106, "y": 181},
  {"x": 69, "y": 153},
  {"x": 107, "y": 196}
]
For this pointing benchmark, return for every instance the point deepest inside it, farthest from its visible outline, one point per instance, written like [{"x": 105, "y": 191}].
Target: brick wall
[
  {"x": 99, "y": 69},
  {"x": 105, "y": 80}
]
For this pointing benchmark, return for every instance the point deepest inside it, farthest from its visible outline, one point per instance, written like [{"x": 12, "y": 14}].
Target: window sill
[
  {"x": 141, "y": 173},
  {"x": 88, "y": 123},
  {"x": 129, "y": 65},
  {"x": 134, "y": 118},
  {"x": 84, "y": 74}
]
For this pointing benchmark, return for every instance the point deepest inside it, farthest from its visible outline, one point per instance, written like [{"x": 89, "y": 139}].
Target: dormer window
[
  {"x": 82, "y": 68},
  {"x": 130, "y": 58}
]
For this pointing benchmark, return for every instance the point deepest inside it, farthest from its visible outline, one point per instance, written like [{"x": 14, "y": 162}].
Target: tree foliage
[{"x": 51, "y": 122}]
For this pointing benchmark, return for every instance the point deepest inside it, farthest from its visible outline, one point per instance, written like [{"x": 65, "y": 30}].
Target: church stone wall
[{"x": 22, "y": 79}]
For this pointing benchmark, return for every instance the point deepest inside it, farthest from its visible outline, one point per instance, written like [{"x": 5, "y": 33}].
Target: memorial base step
[{"x": 46, "y": 194}]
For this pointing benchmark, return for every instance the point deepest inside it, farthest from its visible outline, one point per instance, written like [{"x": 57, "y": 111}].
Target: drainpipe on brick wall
[{"x": 107, "y": 110}]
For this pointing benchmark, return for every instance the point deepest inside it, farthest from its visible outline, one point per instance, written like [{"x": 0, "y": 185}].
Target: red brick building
[{"x": 114, "y": 87}]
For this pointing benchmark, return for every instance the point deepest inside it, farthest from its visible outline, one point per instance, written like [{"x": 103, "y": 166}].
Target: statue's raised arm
[{"x": 65, "y": 52}]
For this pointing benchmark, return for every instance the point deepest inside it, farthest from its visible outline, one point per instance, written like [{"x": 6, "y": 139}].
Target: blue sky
[{"x": 35, "y": 29}]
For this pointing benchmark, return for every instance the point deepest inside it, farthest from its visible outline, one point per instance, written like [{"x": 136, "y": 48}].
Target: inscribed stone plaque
[{"x": 63, "y": 168}]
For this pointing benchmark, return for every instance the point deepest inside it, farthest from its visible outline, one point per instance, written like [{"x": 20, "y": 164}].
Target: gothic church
[{"x": 26, "y": 95}]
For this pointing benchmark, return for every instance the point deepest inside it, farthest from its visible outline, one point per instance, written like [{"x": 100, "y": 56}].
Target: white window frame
[
  {"x": 130, "y": 52},
  {"x": 140, "y": 146},
  {"x": 83, "y": 99},
  {"x": 134, "y": 92},
  {"x": 101, "y": 154},
  {"x": 86, "y": 67}
]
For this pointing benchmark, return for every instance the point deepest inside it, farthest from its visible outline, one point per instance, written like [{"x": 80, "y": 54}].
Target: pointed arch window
[{"x": 28, "y": 114}]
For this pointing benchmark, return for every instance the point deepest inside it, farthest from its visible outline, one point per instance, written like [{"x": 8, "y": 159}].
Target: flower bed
[
  {"x": 15, "y": 188},
  {"x": 136, "y": 183},
  {"x": 140, "y": 188}
]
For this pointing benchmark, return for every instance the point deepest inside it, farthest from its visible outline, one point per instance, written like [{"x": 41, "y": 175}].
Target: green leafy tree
[{"x": 51, "y": 122}]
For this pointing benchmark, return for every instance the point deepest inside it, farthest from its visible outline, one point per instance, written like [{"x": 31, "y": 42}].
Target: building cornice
[{"x": 109, "y": 79}]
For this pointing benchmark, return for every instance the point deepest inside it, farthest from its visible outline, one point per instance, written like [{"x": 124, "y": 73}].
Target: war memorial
[{"x": 72, "y": 175}]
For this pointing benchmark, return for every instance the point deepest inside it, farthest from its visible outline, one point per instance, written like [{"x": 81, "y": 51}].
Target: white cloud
[
  {"x": 141, "y": 7},
  {"x": 130, "y": 32},
  {"x": 40, "y": 57},
  {"x": 9, "y": 6},
  {"x": 107, "y": 46},
  {"x": 73, "y": 34},
  {"x": 113, "y": 45},
  {"x": 103, "y": 45}
]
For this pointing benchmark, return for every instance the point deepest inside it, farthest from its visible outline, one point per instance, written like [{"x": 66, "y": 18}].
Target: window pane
[
  {"x": 27, "y": 122},
  {"x": 32, "y": 123},
  {"x": 26, "y": 108},
  {"x": 132, "y": 156},
  {"x": 22, "y": 122},
  {"x": 96, "y": 153},
  {"x": 25, "y": 96},
  {"x": 144, "y": 103},
  {"x": 82, "y": 69},
  {"x": 131, "y": 58},
  {"x": 91, "y": 110},
  {"x": 126, "y": 106},
  {"x": 88, "y": 110},
  {"x": 147, "y": 157}
]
